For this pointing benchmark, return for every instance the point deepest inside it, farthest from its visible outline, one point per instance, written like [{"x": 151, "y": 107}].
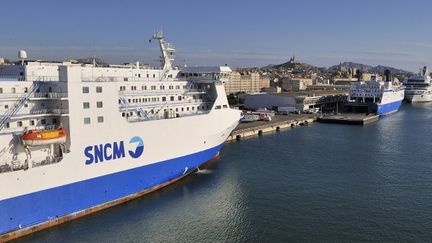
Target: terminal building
[{"x": 326, "y": 100}]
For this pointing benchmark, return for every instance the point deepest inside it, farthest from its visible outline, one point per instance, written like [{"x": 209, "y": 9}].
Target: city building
[
  {"x": 296, "y": 84},
  {"x": 243, "y": 82}
]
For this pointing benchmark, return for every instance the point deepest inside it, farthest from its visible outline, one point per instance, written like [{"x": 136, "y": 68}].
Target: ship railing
[
  {"x": 12, "y": 78},
  {"x": 152, "y": 92},
  {"x": 45, "y": 78},
  {"x": 159, "y": 104},
  {"x": 5, "y": 96},
  {"x": 150, "y": 117},
  {"x": 125, "y": 79},
  {"x": 51, "y": 95},
  {"x": 41, "y": 112},
  {"x": 56, "y": 111}
]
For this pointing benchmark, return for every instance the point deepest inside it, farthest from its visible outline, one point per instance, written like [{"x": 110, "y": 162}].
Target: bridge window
[
  {"x": 6, "y": 106},
  {"x": 1, "y": 90},
  {"x": 177, "y": 86},
  {"x": 218, "y": 107},
  {"x": 19, "y": 123},
  {"x": 225, "y": 106},
  {"x": 163, "y": 98},
  {"x": 7, "y": 124},
  {"x": 172, "y": 98},
  {"x": 143, "y": 87},
  {"x": 147, "y": 75},
  {"x": 32, "y": 122},
  {"x": 153, "y": 87},
  {"x": 98, "y": 89},
  {"x": 13, "y": 90},
  {"x": 86, "y": 105},
  {"x": 154, "y": 75},
  {"x": 43, "y": 121},
  {"x": 85, "y": 90},
  {"x": 99, "y": 104},
  {"x": 100, "y": 119},
  {"x": 162, "y": 87},
  {"x": 179, "y": 98},
  {"x": 87, "y": 120}
]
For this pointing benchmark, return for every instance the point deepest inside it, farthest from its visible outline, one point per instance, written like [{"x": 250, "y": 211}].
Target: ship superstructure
[
  {"x": 76, "y": 138},
  {"x": 376, "y": 97},
  {"x": 418, "y": 87}
]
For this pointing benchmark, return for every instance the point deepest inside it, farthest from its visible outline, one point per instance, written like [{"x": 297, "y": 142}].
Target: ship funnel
[
  {"x": 359, "y": 75},
  {"x": 424, "y": 71},
  {"x": 387, "y": 75}
]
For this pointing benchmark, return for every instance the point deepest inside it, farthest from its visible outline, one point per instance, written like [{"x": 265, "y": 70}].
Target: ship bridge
[{"x": 206, "y": 74}]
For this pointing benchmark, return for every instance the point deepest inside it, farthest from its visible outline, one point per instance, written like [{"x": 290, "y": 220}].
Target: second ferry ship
[
  {"x": 78, "y": 138},
  {"x": 376, "y": 97}
]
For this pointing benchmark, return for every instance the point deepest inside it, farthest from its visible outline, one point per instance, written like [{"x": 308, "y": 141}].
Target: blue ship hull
[
  {"x": 388, "y": 108},
  {"x": 47, "y": 205}
]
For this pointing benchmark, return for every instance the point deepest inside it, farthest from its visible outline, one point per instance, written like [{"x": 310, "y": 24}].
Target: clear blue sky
[{"x": 239, "y": 33}]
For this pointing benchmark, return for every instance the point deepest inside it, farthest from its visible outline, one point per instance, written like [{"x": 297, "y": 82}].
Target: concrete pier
[
  {"x": 349, "y": 118},
  {"x": 279, "y": 122}
]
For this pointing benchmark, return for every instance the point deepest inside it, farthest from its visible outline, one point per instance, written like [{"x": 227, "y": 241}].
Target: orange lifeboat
[{"x": 44, "y": 137}]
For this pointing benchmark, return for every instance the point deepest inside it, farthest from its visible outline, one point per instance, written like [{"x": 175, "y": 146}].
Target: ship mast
[{"x": 167, "y": 49}]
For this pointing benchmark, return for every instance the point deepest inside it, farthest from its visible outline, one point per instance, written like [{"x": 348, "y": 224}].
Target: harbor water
[{"x": 316, "y": 183}]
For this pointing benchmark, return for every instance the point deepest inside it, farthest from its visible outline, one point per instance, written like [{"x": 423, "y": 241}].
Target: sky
[{"x": 238, "y": 33}]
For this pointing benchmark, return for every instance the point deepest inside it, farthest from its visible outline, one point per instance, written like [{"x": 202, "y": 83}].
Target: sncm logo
[{"x": 112, "y": 151}]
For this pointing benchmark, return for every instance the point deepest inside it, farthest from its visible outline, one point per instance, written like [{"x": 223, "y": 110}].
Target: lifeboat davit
[{"x": 45, "y": 137}]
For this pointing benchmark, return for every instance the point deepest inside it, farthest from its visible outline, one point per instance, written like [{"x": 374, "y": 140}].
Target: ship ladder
[{"x": 17, "y": 106}]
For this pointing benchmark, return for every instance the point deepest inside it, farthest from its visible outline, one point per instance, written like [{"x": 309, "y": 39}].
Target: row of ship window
[
  {"x": 152, "y": 87},
  {"x": 26, "y": 89},
  {"x": 99, "y": 119},
  {"x": 152, "y": 99},
  {"x": 13, "y": 90},
  {"x": 147, "y": 75},
  {"x": 86, "y": 89},
  {"x": 33, "y": 122},
  {"x": 25, "y": 106},
  {"x": 86, "y": 105}
]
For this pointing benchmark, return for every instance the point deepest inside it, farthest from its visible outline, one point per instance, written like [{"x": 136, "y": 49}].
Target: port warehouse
[{"x": 326, "y": 100}]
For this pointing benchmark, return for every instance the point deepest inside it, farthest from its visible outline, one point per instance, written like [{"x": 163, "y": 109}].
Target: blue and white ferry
[
  {"x": 78, "y": 138},
  {"x": 376, "y": 97}
]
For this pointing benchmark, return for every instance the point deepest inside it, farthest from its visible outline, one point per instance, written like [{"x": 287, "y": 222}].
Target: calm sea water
[{"x": 320, "y": 183}]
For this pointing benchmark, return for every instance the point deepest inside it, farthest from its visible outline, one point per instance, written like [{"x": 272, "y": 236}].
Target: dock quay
[
  {"x": 278, "y": 122},
  {"x": 349, "y": 118}
]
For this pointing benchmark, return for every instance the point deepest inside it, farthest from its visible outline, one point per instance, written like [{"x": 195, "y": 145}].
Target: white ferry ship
[
  {"x": 418, "y": 88},
  {"x": 78, "y": 138},
  {"x": 376, "y": 97}
]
